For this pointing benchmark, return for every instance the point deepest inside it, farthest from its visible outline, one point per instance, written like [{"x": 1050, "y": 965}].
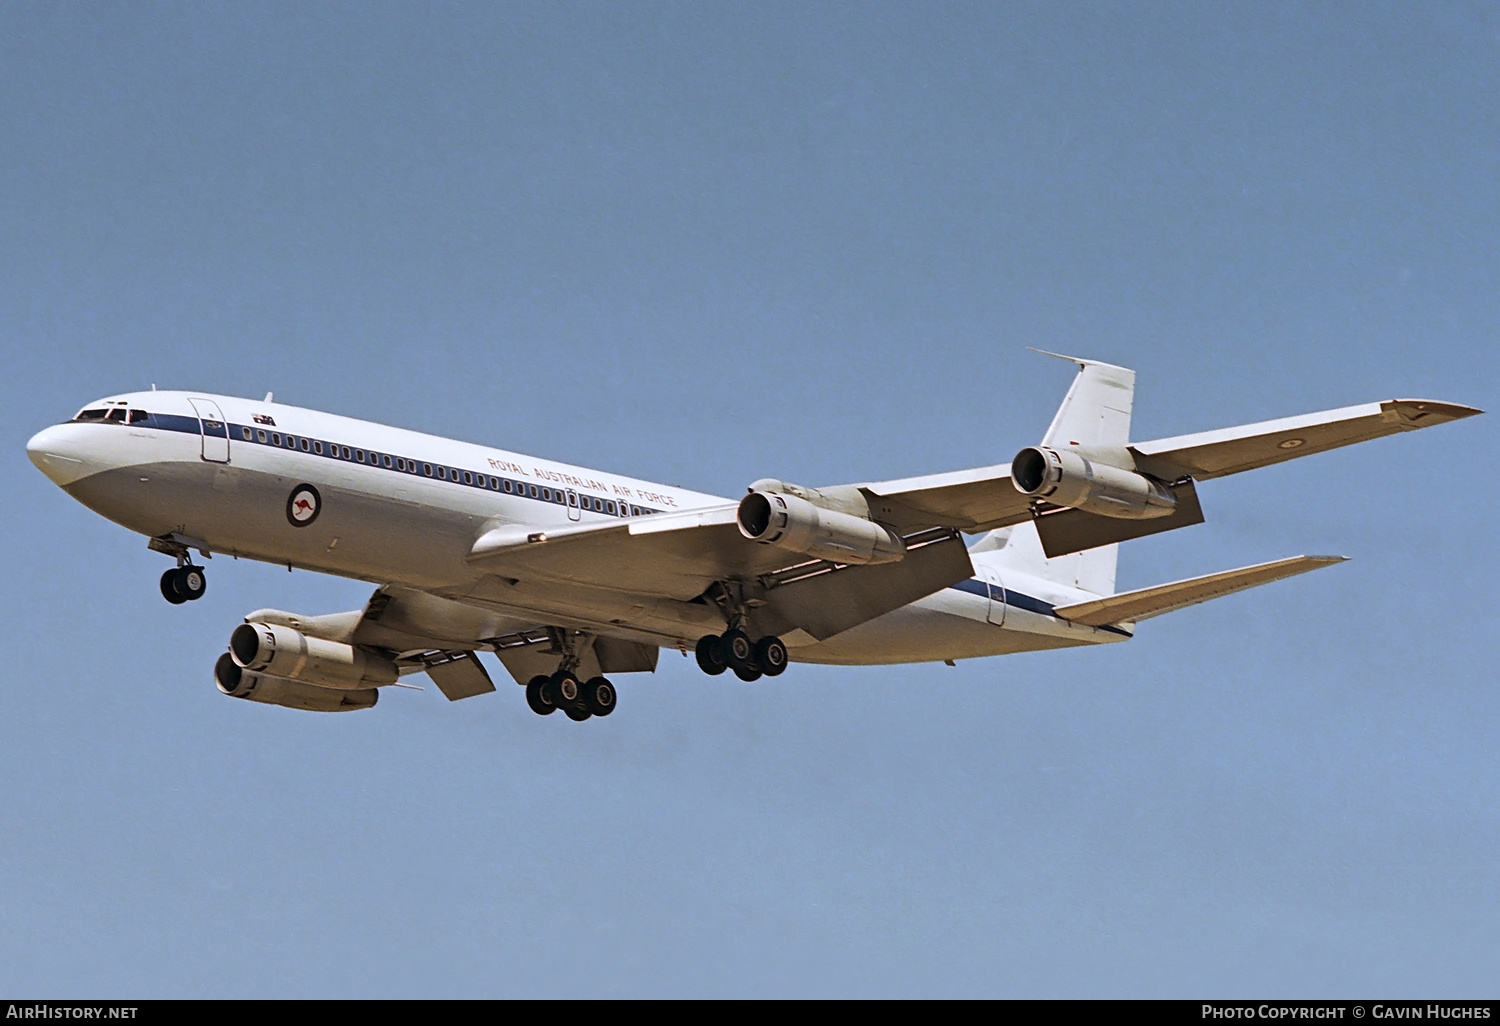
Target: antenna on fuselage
[{"x": 270, "y": 397}]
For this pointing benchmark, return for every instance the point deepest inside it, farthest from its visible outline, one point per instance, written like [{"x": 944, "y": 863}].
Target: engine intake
[
  {"x": 789, "y": 522},
  {"x": 283, "y": 652},
  {"x": 1067, "y": 479},
  {"x": 291, "y": 694}
]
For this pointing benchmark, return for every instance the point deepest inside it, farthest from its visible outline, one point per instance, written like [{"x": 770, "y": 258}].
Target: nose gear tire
[
  {"x": 169, "y": 588},
  {"x": 191, "y": 582}
]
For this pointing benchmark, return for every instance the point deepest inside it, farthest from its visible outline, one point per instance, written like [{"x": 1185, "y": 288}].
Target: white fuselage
[{"x": 403, "y": 508}]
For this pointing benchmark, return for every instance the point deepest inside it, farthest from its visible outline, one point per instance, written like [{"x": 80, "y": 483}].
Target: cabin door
[
  {"x": 214, "y": 429},
  {"x": 991, "y": 577}
]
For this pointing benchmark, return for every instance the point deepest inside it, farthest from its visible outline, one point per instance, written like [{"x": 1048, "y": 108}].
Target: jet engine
[
  {"x": 292, "y": 694},
  {"x": 789, "y": 522},
  {"x": 283, "y": 652},
  {"x": 1067, "y": 479}
]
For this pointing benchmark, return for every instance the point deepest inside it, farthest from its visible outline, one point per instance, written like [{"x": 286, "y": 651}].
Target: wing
[
  {"x": 1212, "y": 454},
  {"x": 440, "y": 636},
  {"x": 683, "y": 556}
]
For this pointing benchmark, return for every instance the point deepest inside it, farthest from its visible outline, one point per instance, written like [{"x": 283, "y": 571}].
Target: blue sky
[{"x": 708, "y": 243}]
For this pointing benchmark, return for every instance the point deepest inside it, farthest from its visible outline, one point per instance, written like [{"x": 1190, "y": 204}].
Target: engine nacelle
[
  {"x": 1067, "y": 479},
  {"x": 789, "y": 522},
  {"x": 283, "y": 652},
  {"x": 292, "y": 694}
]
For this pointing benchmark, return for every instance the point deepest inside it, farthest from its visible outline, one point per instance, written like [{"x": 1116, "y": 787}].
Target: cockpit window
[
  {"x": 117, "y": 415},
  {"x": 139, "y": 416},
  {"x": 91, "y": 414}
]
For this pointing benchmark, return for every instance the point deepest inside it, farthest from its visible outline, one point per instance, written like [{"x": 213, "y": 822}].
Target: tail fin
[
  {"x": 1018, "y": 548},
  {"x": 1095, "y": 414}
]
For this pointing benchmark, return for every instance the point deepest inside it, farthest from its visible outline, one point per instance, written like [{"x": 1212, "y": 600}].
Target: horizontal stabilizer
[{"x": 1166, "y": 598}]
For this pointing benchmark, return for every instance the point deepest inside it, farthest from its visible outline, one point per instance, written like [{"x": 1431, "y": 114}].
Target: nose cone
[{"x": 58, "y": 454}]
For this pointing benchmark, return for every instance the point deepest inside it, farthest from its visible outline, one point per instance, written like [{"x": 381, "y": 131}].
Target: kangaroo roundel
[{"x": 303, "y": 505}]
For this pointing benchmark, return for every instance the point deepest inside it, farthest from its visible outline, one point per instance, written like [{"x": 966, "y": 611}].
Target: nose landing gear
[{"x": 183, "y": 584}]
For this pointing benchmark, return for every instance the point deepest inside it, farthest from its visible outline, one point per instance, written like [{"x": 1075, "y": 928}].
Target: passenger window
[
  {"x": 260, "y": 436},
  {"x": 468, "y": 478},
  {"x": 609, "y": 507},
  {"x": 305, "y": 446},
  {"x": 141, "y": 416},
  {"x": 345, "y": 453},
  {"x": 317, "y": 446},
  {"x": 427, "y": 469},
  {"x": 505, "y": 486},
  {"x": 494, "y": 484},
  {"x": 246, "y": 433},
  {"x": 533, "y": 492},
  {"x": 386, "y": 460},
  {"x": 359, "y": 455}
]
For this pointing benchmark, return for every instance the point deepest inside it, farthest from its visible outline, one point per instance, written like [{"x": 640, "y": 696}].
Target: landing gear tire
[
  {"x": 537, "y": 696},
  {"x": 600, "y": 696},
  {"x": 577, "y": 715},
  {"x": 169, "y": 588},
  {"x": 191, "y": 582},
  {"x": 565, "y": 689},
  {"x": 739, "y": 651},
  {"x": 770, "y": 656},
  {"x": 748, "y": 676},
  {"x": 710, "y": 653}
]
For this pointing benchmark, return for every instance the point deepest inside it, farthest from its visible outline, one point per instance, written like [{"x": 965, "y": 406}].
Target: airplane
[{"x": 569, "y": 575}]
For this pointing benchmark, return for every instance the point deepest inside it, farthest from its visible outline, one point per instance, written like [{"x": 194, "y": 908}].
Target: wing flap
[
  {"x": 1211, "y": 454},
  {"x": 967, "y": 500},
  {"x": 1145, "y": 603},
  {"x": 1064, "y": 530},
  {"x": 462, "y": 676},
  {"x": 832, "y": 602}
]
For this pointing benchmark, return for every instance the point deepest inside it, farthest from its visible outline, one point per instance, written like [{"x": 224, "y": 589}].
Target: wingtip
[{"x": 1419, "y": 409}]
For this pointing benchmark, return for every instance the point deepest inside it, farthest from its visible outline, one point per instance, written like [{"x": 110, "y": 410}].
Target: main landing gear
[
  {"x": 578, "y": 701},
  {"x": 185, "y": 583},
  {"x": 733, "y": 650}
]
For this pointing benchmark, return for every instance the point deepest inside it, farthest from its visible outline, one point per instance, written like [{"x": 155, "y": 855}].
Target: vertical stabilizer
[
  {"x": 1096, "y": 411},
  {"x": 1018, "y": 548}
]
